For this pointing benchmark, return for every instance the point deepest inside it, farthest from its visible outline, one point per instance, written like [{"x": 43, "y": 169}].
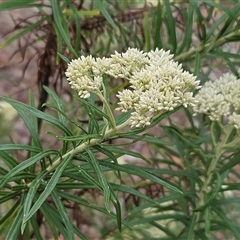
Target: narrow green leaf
[
  {"x": 65, "y": 218},
  {"x": 54, "y": 220},
  {"x": 231, "y": 163},
  {"x": 8, "y": 159},
  {"x": 77, "y": 24},
  {"x": 158, "y": 23},
  {"x": 207, "y": 219},
  {"x": 175, "y": 216},
  {"x": 200, "y": 20},
  {"x": 227, "y": 222},
  {"x": 100, "y": 6},
  {"x": 49, "y": 187},
  {"x": 9, "y": 196},
  {"x": 170, "y": 22},
  {"x": 7, "y": 147},
  {"x": 36, "y": 229},
  {"x": 65, "y": 59},
  {"x": 125, "y": 152},
  {"x": 23, "y": 32},
  {"x": 101, "y": 177},
  {"x": 197, "y": 65},
  {"x": 85, "y": 203},
  {"x": 79, "y": 233},
  {"x": 190, "y": 227},
  {"x": 9, "y": 215},
  {"x": 59, "y": 21},
  {"x": 93, "y": 107},
  {"x": 13, "y": 4},
  {"x": 32, "y": 194},
  {"x": 166, "y": 230},
  {"x": 19, "y": 106},
  {"x": 14, "y": 230},
  {"x": 25, "y": 164},
  {"x": 78, "y": 138},
  {"x": 135, "y": 170},
  {"x": 171, "y": 197},
  {"x": 146, "y": 29},
  {"x": 126, "y": 189},
  {"x": 57, "y": 102}
]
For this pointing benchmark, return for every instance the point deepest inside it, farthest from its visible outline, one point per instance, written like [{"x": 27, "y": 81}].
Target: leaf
[
  {"x": 60, "y": 21},
  {"x": 9, "y": 196},
  {"x": 23, "y": 32},
  {"x": 190, "y": 227},
  {"x": 57, "y": 102},
  {"x": 7, "y": 147},
  {"x": 36, "y": 229},
  {"x": 102, "y": 179},
  {"x": 187, "y": 40},
  {"x": 25, "y": 164},
  {"x": 65, "y": 217},
  {"x": 125, "y": 152},
  {"x": 79, "y": 233},
  {"x": 171, "y": 197},
  {"x": 84, "y": 137},
  {"x": 100, "y": 6},
  {"x": 135, "y": 170},
  {"x": 157, "y": 28},
  {"x": 65, "y": 59},
  {"x": 7, "y": 218},
  {"x": 14, "y": 230},
  {"x": 32, "y": 194},
  {"x": 126, "y": 189},
  {"x": 84, "y": 202},
  {"x": 147, "y": 33},
  {"x": 175, "y": 216},
  {"x": 13, "y": 4},
  {"x": 23, "y": 108},
  {"x": 170, "y": 22},
  {"x": 8, "y": 159},
  {"x": 227, "y": 222},
  {"x": 54, "y": 220},
  {"x": 48, "y": 189},
  {"x": 77, "y": 21}
]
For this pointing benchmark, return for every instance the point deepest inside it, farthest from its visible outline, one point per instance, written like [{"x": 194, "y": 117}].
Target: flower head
[
  {"x": 220, "y": 98},
  {"x": 156, "y": 82},
  {"x": 157, "y": 86},
  {"x": 85, "y": 74}
]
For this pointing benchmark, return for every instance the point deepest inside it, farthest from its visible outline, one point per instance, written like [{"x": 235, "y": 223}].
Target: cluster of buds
[
  {"x": 219, "y": 100},
  {"x": 156, "y": 82}
]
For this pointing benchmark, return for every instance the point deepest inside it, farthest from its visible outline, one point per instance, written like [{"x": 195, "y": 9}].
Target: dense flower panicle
[
  {"x": 160, "y": 85},
  {"x": 220, "y": 98},
  {"x": 157, "y": 82}
]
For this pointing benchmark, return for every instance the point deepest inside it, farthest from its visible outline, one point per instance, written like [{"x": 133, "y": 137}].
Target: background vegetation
[{"x": 153, "y": 177}]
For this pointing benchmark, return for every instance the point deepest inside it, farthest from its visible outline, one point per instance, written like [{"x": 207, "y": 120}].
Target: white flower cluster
[
  {"x": 85, "y": 74},
  {"x": 157, "y": 82},
  {"x": 220, "y": 98}
]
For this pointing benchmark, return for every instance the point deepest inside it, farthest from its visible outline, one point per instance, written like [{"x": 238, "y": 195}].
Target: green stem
[
  {"x": 108, "y": 109},
  {"x": 210, "y": 45},
  {"x": 83, "y": 146},
  {"x": 218, "y": 152}
]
